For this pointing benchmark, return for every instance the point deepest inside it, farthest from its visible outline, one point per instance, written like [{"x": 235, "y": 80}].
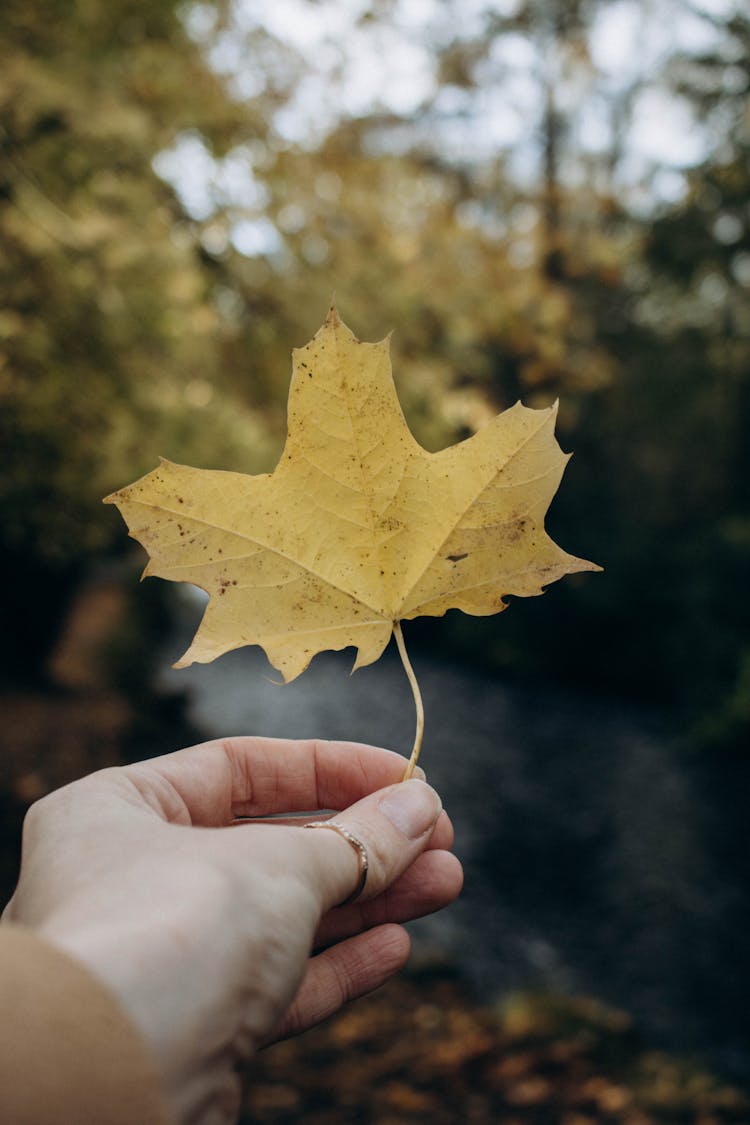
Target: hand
[{"x": 219, "y": 937}]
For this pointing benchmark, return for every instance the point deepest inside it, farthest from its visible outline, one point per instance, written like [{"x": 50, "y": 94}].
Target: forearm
[{"x": 67, "y": 1050}]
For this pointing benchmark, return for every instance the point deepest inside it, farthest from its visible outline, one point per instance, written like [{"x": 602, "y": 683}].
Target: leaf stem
[{"x": 417, "y": 700}]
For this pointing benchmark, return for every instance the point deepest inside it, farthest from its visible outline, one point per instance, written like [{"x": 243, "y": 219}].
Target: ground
[{"x": 423, "y": 1050}]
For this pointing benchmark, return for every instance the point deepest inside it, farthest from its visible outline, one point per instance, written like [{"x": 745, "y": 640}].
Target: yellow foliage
[{"x": 358, "y": 527}]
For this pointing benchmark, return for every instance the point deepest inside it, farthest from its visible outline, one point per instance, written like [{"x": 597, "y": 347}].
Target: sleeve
[{"x": 68, "y": 1053}]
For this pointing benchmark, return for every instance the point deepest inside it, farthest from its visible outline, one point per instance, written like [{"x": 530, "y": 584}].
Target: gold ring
[{"x": 359, "y": 848}]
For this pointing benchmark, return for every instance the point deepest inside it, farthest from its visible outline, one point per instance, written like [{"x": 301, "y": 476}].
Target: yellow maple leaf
[{"x": 358, "y": 527}]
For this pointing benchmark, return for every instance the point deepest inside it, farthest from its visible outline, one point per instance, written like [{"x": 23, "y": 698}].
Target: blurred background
[{"x": 543, "y": 199}]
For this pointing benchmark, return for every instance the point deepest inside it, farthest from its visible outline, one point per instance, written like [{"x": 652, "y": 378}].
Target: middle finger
[{"x": 433, "y": 881}]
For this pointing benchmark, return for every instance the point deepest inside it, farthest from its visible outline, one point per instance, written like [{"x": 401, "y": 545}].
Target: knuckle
[
  {"x": 341, "y": 982},
  {"x": 379, "y": 867}
]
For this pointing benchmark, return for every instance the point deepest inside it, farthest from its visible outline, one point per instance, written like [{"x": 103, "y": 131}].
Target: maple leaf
[{"x": 358, "y": 527}]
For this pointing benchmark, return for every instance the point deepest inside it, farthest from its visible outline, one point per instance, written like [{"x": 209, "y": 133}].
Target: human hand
[{"x": 218, "y": 937}]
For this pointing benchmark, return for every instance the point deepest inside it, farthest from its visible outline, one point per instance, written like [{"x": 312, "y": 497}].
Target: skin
[{"x": 218, "y": 937}]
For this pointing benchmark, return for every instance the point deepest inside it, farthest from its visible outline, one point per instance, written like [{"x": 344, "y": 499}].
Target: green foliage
[
  {"x": 106, "y": 316},
  {"x": 107, "y": 324}
]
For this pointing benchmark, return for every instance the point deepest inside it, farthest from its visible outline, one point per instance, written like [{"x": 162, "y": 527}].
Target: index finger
[{"x": 254, "y": 776}]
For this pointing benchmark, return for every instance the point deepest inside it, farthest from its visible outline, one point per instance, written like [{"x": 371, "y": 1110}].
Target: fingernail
[{"x": 413, "y": 807}]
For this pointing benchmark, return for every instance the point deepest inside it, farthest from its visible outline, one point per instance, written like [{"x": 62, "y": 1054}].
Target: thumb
[{"x": 394, "y": 826}]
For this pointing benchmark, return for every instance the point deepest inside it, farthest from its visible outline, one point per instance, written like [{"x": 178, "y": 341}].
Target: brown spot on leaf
[
  {"x": 457, "y": 558},
  {"x": 389, "y": 523}
]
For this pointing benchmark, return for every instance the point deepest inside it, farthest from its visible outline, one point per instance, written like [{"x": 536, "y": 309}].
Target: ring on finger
[{"x": 359, "y": 848}]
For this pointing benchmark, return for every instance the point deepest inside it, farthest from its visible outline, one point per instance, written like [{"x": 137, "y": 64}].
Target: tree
[{"x": 108, "y": 324}]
